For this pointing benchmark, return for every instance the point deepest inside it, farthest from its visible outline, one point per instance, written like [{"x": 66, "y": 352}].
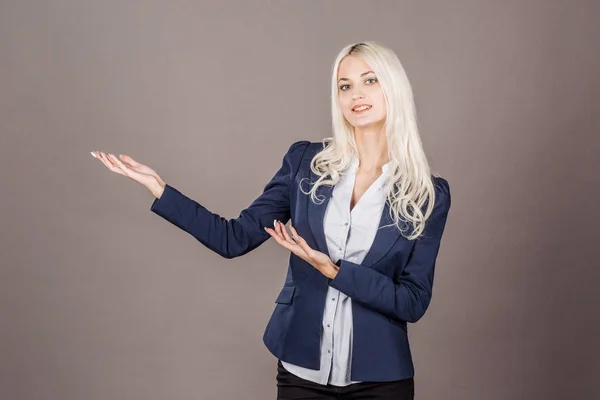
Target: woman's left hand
[{"x": 297, "y": 245}]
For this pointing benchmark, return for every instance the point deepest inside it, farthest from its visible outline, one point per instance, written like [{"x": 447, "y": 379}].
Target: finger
[
  {"x": 294, "y": 248},
  {"x": 142, "y": 169},
  {"x": 295, "y": 234},
  {"x": 301, "y": 242},
  {"x": 125, "y": 158},
  {"x": 274, "y": 234},
  {"x": 277, "y": 228},
  {"x": 280, "y": 229},
  {"x": 280, "y": 240},
  {"x": 120, "y": 166},
  {"x": 118, "y": 163},
  {"x": 130, "y": 165},
  {"x": 104, "y": 159},
  {"x": 131, "y": 173},
  {"x": 286, "y": 236}
]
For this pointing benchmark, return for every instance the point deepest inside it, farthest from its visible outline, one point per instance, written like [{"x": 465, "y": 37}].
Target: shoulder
[
  {"x": 442, "y": 194},
  {"x": 295, "y": 152},
  {"x": 299, "y": 146},
  {"x": 292, "y": 159},
  {"x": 301, "y": 150},
  {"x": 296, "y": 149},
  {"x": 441, "y": 185},
  {"x": 300, "y": 155},
  {"x": 313, "y": 147},
  {"x": 304, "y": 145}
]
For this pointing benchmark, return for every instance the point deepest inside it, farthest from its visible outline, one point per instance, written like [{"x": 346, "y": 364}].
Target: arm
[
  {"x": 407, "y": 298},
  {"x": 234, "y": 237}
]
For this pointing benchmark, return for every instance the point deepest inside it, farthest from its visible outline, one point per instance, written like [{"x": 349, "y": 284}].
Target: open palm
[
  {"x": 127, "y": 166},
  {"x": 297, "y": 245}
]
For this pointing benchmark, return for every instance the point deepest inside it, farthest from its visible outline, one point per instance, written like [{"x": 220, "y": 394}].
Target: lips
[{"x": 361, "y": 107}]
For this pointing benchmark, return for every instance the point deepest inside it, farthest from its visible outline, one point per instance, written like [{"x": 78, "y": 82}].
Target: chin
[{"x": 367, "y": 124}]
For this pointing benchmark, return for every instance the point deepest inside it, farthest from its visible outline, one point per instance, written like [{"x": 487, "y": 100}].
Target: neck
[{"x": 372, "y": 148}]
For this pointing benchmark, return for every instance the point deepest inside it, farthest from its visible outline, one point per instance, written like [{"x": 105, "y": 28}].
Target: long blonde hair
[{"x": 410, "y": 185}]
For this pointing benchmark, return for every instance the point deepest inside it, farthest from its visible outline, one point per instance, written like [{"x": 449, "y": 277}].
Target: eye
[
  {"x": 343, "y": 86},
  {"x": 371, "y": 79}
]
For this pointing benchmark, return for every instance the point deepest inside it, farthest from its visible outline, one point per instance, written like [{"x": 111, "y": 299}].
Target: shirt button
[
  {"x": 345, "y": 223},
  {"x": 328, "y": 325},
  {"x": 339, "y": 248},
  {"x": 329, "y": 351},
  {"x": 333, "y": 298}
]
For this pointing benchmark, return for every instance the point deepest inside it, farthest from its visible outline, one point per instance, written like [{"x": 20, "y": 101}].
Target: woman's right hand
[{"x": 134, "y": 170}]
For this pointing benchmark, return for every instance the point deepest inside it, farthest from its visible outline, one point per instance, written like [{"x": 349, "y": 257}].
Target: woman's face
[{"x": 360, "y": 95}]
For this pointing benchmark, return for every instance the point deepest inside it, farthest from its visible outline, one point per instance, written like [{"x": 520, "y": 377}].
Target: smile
[{"x": 361, "y": 108}]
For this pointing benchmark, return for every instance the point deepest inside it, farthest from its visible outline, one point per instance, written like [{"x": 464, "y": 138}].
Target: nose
[{"x": 357, "y": 95}]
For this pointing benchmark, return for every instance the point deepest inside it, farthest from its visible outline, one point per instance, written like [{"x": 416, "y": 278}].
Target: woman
[{"x": 367, "y": 220}]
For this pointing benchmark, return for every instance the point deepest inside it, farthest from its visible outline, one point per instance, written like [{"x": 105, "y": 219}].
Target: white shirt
[{"x": 349, "y": 236}]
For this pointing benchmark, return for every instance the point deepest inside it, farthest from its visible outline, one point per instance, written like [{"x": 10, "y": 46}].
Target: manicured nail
[{"x": 92, "y": 153}]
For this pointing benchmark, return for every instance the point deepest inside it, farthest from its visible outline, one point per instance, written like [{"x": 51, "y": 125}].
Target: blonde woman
[{"x": 367, "y": 217}]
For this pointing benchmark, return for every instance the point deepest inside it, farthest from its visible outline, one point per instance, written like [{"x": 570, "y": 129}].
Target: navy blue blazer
[{"x": 392, "y": 286}]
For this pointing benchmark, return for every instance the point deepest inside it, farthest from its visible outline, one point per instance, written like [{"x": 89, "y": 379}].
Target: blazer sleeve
[
  {"x": 408, "y": 297},
  {"x": 237, "y": 236}
]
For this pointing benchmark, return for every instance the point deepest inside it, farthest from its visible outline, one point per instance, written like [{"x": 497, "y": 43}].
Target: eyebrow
[{"x": 363, "y": 74}]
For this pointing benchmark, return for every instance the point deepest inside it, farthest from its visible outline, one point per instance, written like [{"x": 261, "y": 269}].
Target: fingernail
[
  {"x": 275, "y": 223},
  {"x": 92, "y": 153}
]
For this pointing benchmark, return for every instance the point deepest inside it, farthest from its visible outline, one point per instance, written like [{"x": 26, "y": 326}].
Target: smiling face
[{"x": 360, "y": 95}]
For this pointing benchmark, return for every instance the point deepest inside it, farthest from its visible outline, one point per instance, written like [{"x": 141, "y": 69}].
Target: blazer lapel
[
  {"x": 316, "y": 216},
  {"x": 385, "y": 238}
]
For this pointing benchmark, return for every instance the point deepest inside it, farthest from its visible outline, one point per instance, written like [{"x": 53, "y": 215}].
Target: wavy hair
[{"x": 409, "y": 186}]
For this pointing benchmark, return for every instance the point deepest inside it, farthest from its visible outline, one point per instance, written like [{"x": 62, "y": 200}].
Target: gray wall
[{"x": 101, "y": 299}]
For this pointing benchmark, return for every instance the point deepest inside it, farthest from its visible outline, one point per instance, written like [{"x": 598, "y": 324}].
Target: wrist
[
  {"x": 334, "y": 267},
  {"x": 158, "y": 188}
]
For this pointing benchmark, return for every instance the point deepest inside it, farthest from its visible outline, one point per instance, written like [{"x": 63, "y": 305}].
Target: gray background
[{"x": 101, "y": 299}]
